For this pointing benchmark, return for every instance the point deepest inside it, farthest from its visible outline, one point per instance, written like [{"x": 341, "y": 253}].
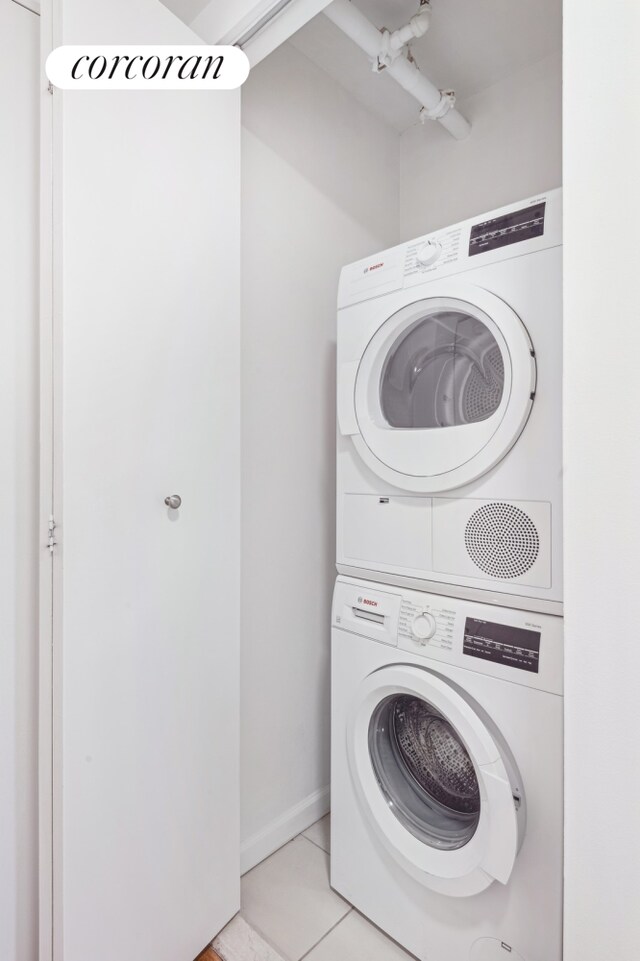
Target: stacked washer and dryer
[{"x": 447, "y": 645}]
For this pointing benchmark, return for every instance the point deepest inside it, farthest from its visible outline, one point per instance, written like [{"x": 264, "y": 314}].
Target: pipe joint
[
  {"x": 416, "y": 28},
  {"x": 387, "y": 53},
  {"x": 392, "y": 45},
  {"x": 447, "y": 102}
]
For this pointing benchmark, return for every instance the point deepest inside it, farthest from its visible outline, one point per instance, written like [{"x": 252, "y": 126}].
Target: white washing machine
[
  {"x": 449, "y": 410},
  {"x": 446, "y": 822}
]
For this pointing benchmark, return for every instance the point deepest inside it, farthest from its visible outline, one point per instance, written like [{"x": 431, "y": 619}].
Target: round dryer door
[
  {"x": 433, "y": 782},
  {"x": 443, "y": 389}
]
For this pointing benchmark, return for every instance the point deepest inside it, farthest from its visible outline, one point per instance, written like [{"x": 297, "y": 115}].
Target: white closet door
[{"x": 146, "y": 405}]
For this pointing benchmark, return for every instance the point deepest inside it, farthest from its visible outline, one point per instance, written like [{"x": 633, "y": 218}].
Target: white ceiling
[
  {"x": 186, "y": 10},
  {"x": 470, "y": 45}
]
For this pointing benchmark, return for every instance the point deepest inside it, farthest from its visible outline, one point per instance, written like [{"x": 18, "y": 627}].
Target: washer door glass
[
  {"x": 445, "y": 370},
  {"x": 424, "y": 771}
]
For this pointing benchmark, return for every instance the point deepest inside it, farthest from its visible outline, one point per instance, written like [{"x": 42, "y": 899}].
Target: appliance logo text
[{"x": 365, "y": 600}]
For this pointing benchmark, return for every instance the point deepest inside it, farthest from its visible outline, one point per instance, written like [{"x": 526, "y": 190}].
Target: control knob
[
  {"x": 423, "y": 626},
  {"x": 428, "y": 253}
]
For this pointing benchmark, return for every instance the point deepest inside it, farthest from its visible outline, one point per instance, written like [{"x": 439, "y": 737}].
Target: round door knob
[
  {"x": 173, "y": 501},
  {"x": 423, "y": 626},
  {"x": 428, "y": 253}
]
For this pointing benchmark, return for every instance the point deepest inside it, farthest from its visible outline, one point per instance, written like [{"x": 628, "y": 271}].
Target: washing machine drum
[
  {"x": 442, "y": 390},
  {"x": 425, "y": 771}
]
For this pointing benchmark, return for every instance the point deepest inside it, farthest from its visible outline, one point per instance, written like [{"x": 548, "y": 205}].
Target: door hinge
[{"x": 51, "y": 541}]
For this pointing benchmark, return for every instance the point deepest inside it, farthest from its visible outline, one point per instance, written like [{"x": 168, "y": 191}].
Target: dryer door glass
[
  {"x": 424, "y": 771},
  {"x": 445, "y": 370},
  {"x": 442, "y": 390}
]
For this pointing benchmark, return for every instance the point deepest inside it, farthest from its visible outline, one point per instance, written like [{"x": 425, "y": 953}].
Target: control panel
[
  {"x": 514, "y": 645},
  {"x": 521, "y": 228}
]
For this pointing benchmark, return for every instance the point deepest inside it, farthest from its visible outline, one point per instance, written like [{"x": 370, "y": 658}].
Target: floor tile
[
  {"x": 288, "y": 900},
  {"x": 319, "y": 833},
  {"x": 355, "y": 939}
]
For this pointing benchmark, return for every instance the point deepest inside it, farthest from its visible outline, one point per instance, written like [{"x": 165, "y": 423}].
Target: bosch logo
[
  {"x": 365, "y": 600},
  {"x": 373, "y": 267}
]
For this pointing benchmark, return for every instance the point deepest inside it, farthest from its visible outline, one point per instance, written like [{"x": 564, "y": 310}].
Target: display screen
[
  {"x": 503, "y": 644},
  {"x": 508, "y": 229}
]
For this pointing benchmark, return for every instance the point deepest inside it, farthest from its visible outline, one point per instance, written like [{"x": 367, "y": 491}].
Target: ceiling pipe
[{"x": 436, "y": 104}]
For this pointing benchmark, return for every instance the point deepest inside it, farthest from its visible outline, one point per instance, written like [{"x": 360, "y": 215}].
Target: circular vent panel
[{"x": 502, "y": 540}]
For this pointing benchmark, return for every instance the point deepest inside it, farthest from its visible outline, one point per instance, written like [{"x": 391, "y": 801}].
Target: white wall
[
  {"x": 320, "y": 189},
  {"x": 19, "y": 64},
  {"x": 602, "y": 480},
  {"x": 514, "y": 151}
]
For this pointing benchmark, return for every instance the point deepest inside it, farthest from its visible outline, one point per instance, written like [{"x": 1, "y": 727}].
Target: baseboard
[{"x": 298, "y": 818}]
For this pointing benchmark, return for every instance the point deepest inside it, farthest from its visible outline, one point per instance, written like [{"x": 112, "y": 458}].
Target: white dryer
[
  {"x": 446, "y": 823},
  {"x": 449, "y": 410}
]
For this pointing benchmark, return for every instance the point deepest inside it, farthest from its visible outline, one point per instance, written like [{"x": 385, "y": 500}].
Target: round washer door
[
  {"x": 432, "y": 781},
  {"x": 443, "y": 389}
]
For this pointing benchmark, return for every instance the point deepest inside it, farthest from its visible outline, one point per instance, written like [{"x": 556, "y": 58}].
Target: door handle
[{"x": 173, "y": 501}]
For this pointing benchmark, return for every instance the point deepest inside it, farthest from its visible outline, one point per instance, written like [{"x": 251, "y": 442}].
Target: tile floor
[{"x": 287, "y": 899}]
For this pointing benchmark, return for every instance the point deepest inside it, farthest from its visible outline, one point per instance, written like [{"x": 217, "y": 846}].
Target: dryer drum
[
  {"x": 434, "y": 755},
  {"x": 446, "y": 370},
  {"x": 483, "y": 388}
]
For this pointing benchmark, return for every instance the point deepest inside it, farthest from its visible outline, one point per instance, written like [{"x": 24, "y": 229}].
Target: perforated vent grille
[
  {"x": 502, "y": 540},
  {"x": 483, "y": 389}
]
